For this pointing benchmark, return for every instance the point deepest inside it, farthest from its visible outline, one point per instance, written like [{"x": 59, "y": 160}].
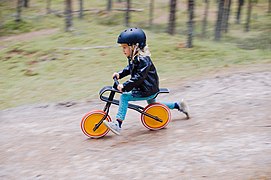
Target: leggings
[{"x": 127, "y": 96}]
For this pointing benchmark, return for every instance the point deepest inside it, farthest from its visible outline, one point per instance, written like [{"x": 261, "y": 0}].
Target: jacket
[{"x": 144, "y": 80}]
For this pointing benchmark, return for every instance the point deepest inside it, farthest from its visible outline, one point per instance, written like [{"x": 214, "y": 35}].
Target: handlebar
[{"x": 116, "y": 83}]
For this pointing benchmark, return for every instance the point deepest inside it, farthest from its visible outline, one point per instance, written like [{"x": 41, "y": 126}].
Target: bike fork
[{"x": 106, "y": 110}]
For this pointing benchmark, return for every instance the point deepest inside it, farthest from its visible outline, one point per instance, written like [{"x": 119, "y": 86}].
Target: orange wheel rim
[
  {"x": 90, "y": 120},
  {"x": 159, "y": 110}
]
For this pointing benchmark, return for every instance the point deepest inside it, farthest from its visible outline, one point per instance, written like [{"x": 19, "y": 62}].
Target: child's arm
[
  {"x": 124, "y": 72},
  {"x": 138, "y": 78}
]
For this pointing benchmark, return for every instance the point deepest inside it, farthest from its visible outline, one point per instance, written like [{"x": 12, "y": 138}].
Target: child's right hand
[{"x": 116, "y": 75}]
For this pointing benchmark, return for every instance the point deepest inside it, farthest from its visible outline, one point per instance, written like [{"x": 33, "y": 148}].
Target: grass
[{"x": 39, "y": 70}]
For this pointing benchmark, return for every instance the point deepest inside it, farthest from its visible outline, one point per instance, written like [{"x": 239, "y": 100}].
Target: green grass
[{"x": 39, "y": 70}]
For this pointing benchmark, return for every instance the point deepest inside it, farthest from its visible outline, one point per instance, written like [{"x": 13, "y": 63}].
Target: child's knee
[{"x": 124, "y": 97}]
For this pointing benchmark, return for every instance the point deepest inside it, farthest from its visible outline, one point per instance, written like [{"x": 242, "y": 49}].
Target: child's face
[{"x": 126, "y": 50}]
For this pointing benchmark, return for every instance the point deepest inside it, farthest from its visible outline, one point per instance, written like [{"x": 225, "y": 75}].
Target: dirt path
[
  {"x": 25, "y": 36},
  {"x": 228, "y": 137},
  {"x": 29, "y": 35}
]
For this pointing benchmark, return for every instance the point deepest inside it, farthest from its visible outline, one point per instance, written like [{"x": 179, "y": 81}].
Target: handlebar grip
[{"x": 116, "y": 83}]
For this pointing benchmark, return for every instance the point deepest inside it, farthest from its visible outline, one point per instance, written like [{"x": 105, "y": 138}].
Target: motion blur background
[{"x": 65, "y": 50}]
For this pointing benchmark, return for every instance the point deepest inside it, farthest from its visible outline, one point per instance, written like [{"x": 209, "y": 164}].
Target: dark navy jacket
[{"x": 144, "y": 80}]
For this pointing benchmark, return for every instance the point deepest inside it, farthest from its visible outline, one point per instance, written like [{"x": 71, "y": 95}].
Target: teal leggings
[{"x": 127, "y": 96}]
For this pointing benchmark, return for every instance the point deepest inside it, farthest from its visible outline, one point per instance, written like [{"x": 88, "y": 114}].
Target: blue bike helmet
[{"x": 132, "y": 36}]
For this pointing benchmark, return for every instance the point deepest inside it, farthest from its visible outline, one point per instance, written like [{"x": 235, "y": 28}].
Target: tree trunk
[
  {"x": 228, "y": 11},
  {"x": 219, "y": 20},
  {"x": 205, "y": 17},
  {"x": 151, "y": 12},
  {"x": 190, "y": 23},
  {"x": 109, "y": 5},
  {"x": 26, "y": 4},
  {"x": 238, "y": 14},
  {"x": 127, "y": 17},
  {"x": 172, "y": 17},
  {"x": 68, "y": 15},
  {"x": 19, "y": 10},
  {"x": 48, "y": 6},
  {"x": 225, "y": 17},
  {"x": 249, "y": 9},
  {"x": 269, "y": 7},
  {"x": 81, "y": 10}
]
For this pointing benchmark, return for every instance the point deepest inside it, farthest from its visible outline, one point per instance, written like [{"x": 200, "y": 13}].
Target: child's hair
[{"x": 145, "y": 51}]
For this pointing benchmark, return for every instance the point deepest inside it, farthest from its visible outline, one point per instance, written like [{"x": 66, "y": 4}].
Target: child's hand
[
  {"x": 116, "y": 75},
  {"x": 120, "y": 87}
]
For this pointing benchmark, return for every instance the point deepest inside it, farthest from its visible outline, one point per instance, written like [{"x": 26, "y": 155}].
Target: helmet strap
[{"x": 134, "y": 49}]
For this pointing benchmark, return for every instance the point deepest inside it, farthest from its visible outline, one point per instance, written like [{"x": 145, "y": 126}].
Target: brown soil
[
  {"x": 30, "y": 35},
  {"x": 27, "y": 36},
  {"x": 228, "y": 136}
]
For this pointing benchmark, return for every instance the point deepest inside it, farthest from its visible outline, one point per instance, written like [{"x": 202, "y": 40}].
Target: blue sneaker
[
  {"x": 113, "y": 126},
  {"x": 183, "y": 107}
]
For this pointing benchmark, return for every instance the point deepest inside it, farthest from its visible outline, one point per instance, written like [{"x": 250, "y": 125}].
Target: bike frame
[{"x": 110, "y": 100}]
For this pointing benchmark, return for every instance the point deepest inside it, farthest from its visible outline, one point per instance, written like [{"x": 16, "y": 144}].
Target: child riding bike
[{"x": 144, "y": 81}]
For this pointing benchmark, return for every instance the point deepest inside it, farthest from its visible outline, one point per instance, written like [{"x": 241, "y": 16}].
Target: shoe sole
[{"x": 113, "y": 130}]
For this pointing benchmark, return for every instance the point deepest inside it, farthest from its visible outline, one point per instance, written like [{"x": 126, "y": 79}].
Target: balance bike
[{"x": 154, "y": 116}]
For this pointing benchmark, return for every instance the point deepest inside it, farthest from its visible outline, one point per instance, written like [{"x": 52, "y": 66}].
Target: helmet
[{"x": 132, "y": 36}]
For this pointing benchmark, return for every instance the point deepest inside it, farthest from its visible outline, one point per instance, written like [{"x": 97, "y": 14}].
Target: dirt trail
[
  {"x": 29, "y": 35},
  {"x": 25, "y": 36},
  {"x": 228, "y": 137}
]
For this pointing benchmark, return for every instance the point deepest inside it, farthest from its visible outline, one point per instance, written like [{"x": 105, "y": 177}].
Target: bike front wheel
[{"x": 90, "y": 120}]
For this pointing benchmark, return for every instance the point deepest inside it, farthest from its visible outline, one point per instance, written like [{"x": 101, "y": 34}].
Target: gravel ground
[{"x": 228, "y": 137}]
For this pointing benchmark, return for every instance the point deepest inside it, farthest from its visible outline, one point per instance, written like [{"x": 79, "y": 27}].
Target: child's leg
[
  {"x": 125, "y": 98},
  {"x": 123, "y": 105},
  {"x": 170, "y": 105},
  {"x": 181, "y": 106}
]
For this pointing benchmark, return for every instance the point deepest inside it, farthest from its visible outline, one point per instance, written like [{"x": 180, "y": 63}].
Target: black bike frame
[{"x": 110, "y": 100}]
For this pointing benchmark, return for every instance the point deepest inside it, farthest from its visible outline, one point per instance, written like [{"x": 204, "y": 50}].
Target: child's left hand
[{"x": 120, "y": 87}]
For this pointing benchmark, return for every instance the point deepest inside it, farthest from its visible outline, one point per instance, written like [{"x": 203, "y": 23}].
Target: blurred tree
[
  {"x": 249, "y": 9},
  {"x": 238, "y": 14},
  {"x": 190, "y": 23},
  {"x": 218, "y": 25},
  {"x": 81, "y": 10},
  {"x": 109, "y": 5},
  {"x": 48, "y": 7},
  {"x": 151, "y": 12},
  {"x": 172, "y": 17},
  {"x": 226, "y": 14},
  {"x": 19, "y": 10},
  {"x": 68, "y": 15},
  {"x": 205, "y": 16},
  {"x": 26, "y": 3},
  {"x": 127, "y": 17},
  {"x": 1, "y": 10},
  {"x": 269, "y": 6}
]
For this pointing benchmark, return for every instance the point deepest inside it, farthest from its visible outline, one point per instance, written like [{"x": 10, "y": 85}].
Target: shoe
[
  {"x": 183, "y": 107},
  {"x": 113, "y": 126}
]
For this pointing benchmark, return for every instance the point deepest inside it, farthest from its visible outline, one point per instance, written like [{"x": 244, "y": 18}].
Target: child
[{"x": 144, "y": 81}]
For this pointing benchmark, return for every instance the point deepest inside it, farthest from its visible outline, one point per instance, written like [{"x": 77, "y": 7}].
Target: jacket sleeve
[
  {"x": 138, "y": 78},
  {"x": 124, "y": 72}
]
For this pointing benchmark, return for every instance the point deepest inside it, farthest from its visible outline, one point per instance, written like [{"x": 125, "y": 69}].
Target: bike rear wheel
[{"x": 159, "y": 110}]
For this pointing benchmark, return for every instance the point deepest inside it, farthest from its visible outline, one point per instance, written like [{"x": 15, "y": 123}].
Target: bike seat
[{"x": 163, "y": 90}]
